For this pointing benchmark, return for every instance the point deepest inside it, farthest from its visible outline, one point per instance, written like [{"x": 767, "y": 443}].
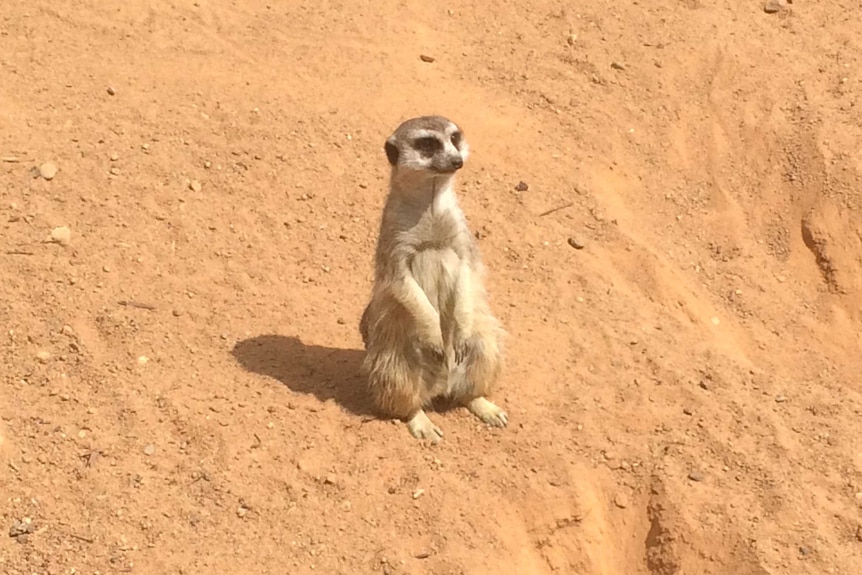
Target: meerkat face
[{"x": 431, "y": 144}]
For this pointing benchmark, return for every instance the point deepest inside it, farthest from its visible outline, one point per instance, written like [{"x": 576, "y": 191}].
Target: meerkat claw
[
  {"x": 460, "y": 353},
  {"x": 421, "y": 427},
  {"x": 436, "y": 353},
  {"x": 488, "y": 412}
]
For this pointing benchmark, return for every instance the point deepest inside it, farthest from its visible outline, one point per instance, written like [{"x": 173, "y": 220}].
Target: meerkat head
[{"x": 427, "y": 145}]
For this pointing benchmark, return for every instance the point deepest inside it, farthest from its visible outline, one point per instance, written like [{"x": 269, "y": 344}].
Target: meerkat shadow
[{"x": 327, "y": 373}]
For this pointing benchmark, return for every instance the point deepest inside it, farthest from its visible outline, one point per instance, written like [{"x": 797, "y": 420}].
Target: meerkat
[{"x": 428, "y": 330}]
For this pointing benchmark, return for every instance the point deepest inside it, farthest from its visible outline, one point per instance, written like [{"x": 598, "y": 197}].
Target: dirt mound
[{"x": 181, "y": 287}]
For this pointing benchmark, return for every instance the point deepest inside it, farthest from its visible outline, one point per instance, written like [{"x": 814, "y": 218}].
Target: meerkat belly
[{"x": 436, "y": 272}]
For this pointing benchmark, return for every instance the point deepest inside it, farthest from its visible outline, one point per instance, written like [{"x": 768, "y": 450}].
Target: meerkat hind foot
[
  {"x": 421, "y": 427},
  {"x": 487, "y": 412}
]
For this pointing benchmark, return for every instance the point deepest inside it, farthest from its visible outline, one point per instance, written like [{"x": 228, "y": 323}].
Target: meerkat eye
[
  {"x": 456, "y": 139},
  {"x": 427, "y": 146}
]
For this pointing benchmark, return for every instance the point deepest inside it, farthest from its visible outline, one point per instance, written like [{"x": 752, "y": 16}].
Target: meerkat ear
[{"x": 391, "y": 152}]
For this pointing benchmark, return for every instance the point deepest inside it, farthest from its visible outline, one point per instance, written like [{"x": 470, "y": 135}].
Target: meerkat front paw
[
  {"x": 421, "y": 427},
  {"x": 461, "y": 346},
  {"x": 434, "y": 353},
  {"x": 488, "y": 412},
  {"x": 432, "y": 350}
]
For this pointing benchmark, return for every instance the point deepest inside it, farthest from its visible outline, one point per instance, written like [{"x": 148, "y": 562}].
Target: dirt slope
[{"x": 178, "y": 384}]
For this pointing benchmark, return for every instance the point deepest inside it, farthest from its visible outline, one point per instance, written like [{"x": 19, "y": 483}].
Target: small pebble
[
  {"x": 330, "y": 479},
  {"x": 111, "y": 91},
  {"x": 773, "y": 6},
  {"x": 572, "y": 38},
  {"x": 241, "y": 512},
  {"x": 340, "y": 321},
  {"x": 621, "y": 501},
  {"x": 115, "y": 157},
  {"x": 195, "y": 186},
  {"x": 149, "y": 449},
  {"x": 43, "y": 356},
  {"x": 780, "y": 399},
  {"x": 115, "y": 171},
  {"x": 61, "y": 235},
  {"x": 143, "y": 360},
  {"x": 177, "y": 312},
  {"x": 687, "y": 411},
  {"x": 20, "y": 528},
  {"x": 522, "y": 186},
  {"x": 576, "y": 243},
  {"x": 696, "y": 476},
  {"x": 617, "y": 66},
  {"x": 427, "y": 59},
  {"x": 418, "y": 493},
  {"x": 48, "y": 170}
]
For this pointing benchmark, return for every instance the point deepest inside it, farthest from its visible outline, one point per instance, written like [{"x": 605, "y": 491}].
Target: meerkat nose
[{"x": 457, "y": 163}]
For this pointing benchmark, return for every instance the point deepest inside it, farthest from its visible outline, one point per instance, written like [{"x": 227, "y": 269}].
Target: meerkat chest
[
  {"x": 436, "y": 271},
  {"x": 439, "y": 255}
]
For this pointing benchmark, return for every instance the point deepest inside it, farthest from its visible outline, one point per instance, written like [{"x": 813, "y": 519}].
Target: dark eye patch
[
  {"x": 456, "y": 139},
  {"x": 427, "y": 146}
]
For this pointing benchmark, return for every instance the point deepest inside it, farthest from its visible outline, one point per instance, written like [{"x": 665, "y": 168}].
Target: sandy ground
[{"x": 178, "y": 374}]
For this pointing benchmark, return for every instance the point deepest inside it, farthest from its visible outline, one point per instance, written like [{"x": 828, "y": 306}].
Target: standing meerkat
[{"x": 428, "y": 330}]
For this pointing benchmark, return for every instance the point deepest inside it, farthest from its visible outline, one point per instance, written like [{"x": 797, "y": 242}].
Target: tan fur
[{"x": 428, "y": 330}]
